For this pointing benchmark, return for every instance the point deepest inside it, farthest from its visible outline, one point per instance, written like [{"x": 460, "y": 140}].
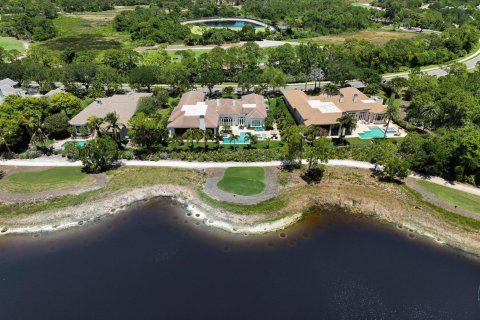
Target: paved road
[
  {"x": 61, "y": 162},
  {"x": 470, "y": 61}
]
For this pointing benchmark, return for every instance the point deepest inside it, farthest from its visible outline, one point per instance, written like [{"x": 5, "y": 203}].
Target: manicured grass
[
  {"x": 454, "y": 197},
  {"x": 45, "y": 180},
  {"x": 119, "y": 179},
  {"x": 245, "y": 181},
  {"x": 271, "y": 205},
  {"x": 447, "y": 215},
  {"x": 10, "y": 44}
]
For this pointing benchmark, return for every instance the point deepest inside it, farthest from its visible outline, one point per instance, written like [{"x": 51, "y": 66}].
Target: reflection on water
[{"x": 155, "y": 262}]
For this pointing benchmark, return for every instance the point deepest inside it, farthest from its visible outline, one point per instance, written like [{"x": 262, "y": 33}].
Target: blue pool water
[
  {"x": 258, "y": 129},
  {"x": 240, "y": 140},
  {"x": 230, "y": 24},
  {"x": 373, "y": 133},
  {"x": 79, "y": 143}
]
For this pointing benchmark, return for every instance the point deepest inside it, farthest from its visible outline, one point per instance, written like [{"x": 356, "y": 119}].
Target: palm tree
[
  {"x": 330, "y": 89},
  {"x": 251, "y": 138},
  {"x": 218, "y": 137},
  {"x": 233, "y": 138},
  {"x": 392, "y": 112},
  {"x": 198, "y": 135},
  {"x": 428, "y": 113},
  {"x": 312, "y": 133},
  {"x": 94, "y": 124},
  {"x": 33, "y": 124},
  {"x": 175, "y": 141},
  {"x": 346, "y": 121},
  {"x": 189, "y": 135},
  {"x": 227, "y": 127},
  {"x": 113, "y": 125},
  {"x": 206, "y": 134},
  {"x": 267, "y": 141}
]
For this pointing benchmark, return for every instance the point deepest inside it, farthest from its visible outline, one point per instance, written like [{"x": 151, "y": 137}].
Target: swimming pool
[
  {"x": 78, "y": 143},
  {"x": 240, "y": 140},
  {"x": 373, "y": 133}
]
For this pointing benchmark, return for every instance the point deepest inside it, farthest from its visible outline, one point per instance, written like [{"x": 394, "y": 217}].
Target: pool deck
[
  {"x": 266, "y": 133},
  {"x": 363, "y": 126},
  {"x": 57, "y": 144}
]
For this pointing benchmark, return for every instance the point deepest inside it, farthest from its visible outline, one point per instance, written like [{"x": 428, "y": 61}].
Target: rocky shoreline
[
  {"x": 75, "y": 216},
  {"x": 93, "y": 211}
]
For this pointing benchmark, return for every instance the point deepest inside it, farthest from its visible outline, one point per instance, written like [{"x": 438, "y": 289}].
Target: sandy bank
[{"x": 92, "y": 211}]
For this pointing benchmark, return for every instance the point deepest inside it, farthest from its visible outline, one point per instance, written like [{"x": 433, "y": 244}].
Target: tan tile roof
[
  {"x": 350, "y": 99},
  {"x": 124, "y": 105},
  {"x": 252, "y": 105}
]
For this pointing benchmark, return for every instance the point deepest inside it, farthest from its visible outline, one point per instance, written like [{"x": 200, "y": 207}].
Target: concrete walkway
[
  {"x": 271, "y": 188},
  {"x": 56, "y": 161}
]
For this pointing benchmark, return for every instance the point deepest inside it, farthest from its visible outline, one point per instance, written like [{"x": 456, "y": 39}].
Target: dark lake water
[{"x": 155, "y": 263}]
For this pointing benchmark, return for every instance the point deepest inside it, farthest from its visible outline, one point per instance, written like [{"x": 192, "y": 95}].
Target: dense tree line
[{"x": 437, "y": 15}]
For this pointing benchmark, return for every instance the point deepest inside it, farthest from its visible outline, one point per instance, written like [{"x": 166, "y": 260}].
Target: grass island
[{"x": 245, "y": 181}]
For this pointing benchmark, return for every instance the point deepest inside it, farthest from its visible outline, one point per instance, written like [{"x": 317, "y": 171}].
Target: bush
[
  {"x": 29, "y": 155},
  {"x": 71, "y": 150},
  {"x": 99, "y": 154}
]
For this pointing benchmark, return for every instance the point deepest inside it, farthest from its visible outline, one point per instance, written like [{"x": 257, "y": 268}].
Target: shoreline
[{"x": 56, "y": 220}]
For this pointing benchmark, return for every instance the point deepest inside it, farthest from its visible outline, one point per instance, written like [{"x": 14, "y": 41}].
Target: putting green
[{"x": 244, "y": 181}]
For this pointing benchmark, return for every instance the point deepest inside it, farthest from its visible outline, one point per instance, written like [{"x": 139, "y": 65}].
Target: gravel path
[
  {"x": 271, "y": 188},
  {"x": 412, "y": 183},
  {"x": 7, "y": 197}
]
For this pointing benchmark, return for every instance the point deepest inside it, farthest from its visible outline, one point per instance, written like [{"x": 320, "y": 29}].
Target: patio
[
  {"x": 394, "y": 131},
  {"x": 261, "y": 133}
]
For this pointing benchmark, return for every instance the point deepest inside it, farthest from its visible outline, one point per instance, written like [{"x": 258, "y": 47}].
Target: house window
[
  {"x": 241, "y": 121},
  {"x": 256, "y": 123},
  {"x": 226, "y": 121}
]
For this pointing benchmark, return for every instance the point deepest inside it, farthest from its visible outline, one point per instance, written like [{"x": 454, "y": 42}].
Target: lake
[{"x": 154, "y": 262}]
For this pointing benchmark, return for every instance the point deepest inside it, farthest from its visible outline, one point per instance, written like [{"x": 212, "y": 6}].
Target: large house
[
  {"x": 9, "y": 87},
  {"x": 124, "y": 106},
  {"x": 324, "y": 110},
  {"x": 194, "y": 112}
]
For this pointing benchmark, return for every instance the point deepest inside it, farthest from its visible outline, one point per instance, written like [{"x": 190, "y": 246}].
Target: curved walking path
[
  {"x": 8, "y": 197},
  {"x": 412, "y": 183},
  {"x": 271, "y": 189},
  {"x": 62, "y": 162}
]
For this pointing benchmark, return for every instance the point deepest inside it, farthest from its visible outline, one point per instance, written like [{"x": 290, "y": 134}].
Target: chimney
[
  {"x": 355, "y": 97},
  {"x": 202, "y": 122},
  {"x": 342, "y": 97}
]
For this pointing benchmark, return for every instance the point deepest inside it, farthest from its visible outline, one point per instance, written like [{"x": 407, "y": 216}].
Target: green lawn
[
  {"x": 45, "y": 180},
  {"x": 86, "y": 32},
  {"x": 454, "y": 197},
  {"x": 245, "y": 181},
  {"x": 10, "y": 43}
]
